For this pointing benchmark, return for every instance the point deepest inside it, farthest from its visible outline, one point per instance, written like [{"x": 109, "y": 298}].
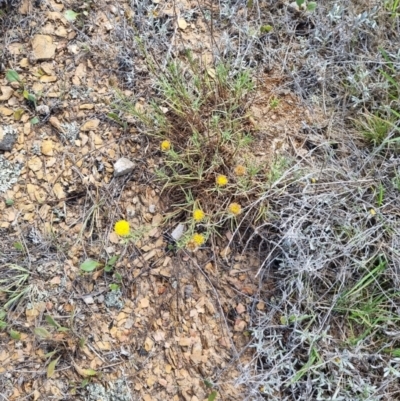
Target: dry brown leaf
[
  {"x": 240, "y": 308},
  {"x": 55, "y": 123},
  {"x": 144, "y": 303},
  {"x": 5, "y": 111},
  {"x": 59, "y": 191},
  {"x": 86, "y": 106},
  {"x": 148, "y": 344},
  {"x": 35, "y": 164},
  {"x": 48, "y": 78},
  {"x": 240, "y": 325},
  {"x": 7, "y": 92},
  {"x": 90, "y": 125},
  {"x": 47, "y": 148},
  {"x": 185, "y": 342},
  {"x": 43, "y": 47}
]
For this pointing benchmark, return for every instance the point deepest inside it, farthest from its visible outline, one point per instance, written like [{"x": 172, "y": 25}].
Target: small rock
[
  {"x": 152, "y": 209},
  {"x": 123, "y": 166},
  {"x": 43, "y": 110},
  {"x": 7, "y": 138},
  {"x": 100, "y": 299},
  {"x": 43, "y": 47},
  {"x": 88, "y": 300},
  {"x": 178, "y": 232},
  {"x": 182, "y": 24}
]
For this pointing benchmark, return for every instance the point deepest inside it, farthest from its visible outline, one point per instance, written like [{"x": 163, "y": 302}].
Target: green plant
[
  {"x": 380, "y": 195},
  {"x": 376, "y": 128},
  {"x": 393, "y": 6},
  {"x": 274, "y": 102},
  {"x": 198, "y": 117},
  {"x": 89, "y": 265},
  {"x": 309, "y": 6},
  {"x": 368, "y": 305},
  {"x": 13, "y": 285},
  {"x": 13, "y": 76}
]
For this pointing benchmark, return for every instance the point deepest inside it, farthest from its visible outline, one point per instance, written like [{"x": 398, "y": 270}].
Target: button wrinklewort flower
[
  {"x": 240, "y": 170},
  {"x": 165, "y": 146},
  {"x": 221, "y": 180},
  {"x": 198, "y": 239},
  {"x": 198, "y": 215},
  {"x": 121, "y": 228},
  {"x": 235, "y": 208}
]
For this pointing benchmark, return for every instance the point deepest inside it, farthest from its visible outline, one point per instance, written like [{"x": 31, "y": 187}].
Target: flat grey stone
[
  {"x": 123, "y": 166},
  {"x": 7, "y": 138}
]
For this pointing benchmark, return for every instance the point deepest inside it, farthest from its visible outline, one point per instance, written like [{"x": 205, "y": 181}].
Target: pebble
[{"x": 123, "y": 166}]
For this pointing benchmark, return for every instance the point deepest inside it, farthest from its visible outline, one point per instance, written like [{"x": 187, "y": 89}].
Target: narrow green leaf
[
  {"x": 114, "y": 116},
  {"x": 42, "y": 332},
  {"x": 51, "y": 321},
  {"x": 12, "y": 76},
  {"x": 15, "y": 335},
  {"x": 89, "y": 265},
  {"x": 300, "y": 2},
  {"x": 3, "y": 314},
  {"x": 3, "y": 325},
  {"x": 51, "y": 368},
  {"x": 50, "y": 354},
  {"x": 63, "y": 329},
  {"x": 212, "y": 396}
]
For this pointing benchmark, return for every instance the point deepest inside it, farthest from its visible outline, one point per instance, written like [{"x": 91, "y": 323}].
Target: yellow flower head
[
  {"x": 221, "y": 180},
  {"x": 165, "y": 146},
  {"x": 198, "y": 215},
  {"x": 198, "y": 239},
  {"x": 240, "y": 170},
  {"x": 235, "y": 208},
  {"x": 121, "y": 228}
]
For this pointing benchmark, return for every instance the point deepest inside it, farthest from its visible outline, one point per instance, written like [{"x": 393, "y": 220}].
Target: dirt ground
[{"x": 177, "y": 327}]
